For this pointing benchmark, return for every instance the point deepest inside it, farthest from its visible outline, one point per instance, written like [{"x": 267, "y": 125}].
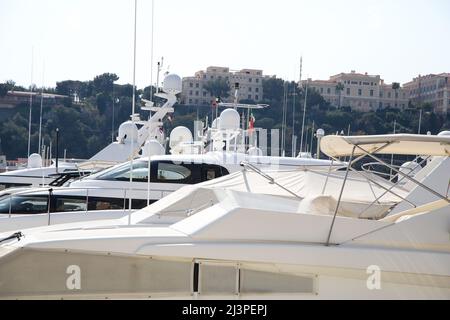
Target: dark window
[
  {"x": 210, "y": 171},
  {"x": 169, "y": 172},
  {"x": 67, "y": 203},
  {"x": 24, "y": 204},
  {"x": 122, "y": 173},
  {"x": 5, "y": 185}
]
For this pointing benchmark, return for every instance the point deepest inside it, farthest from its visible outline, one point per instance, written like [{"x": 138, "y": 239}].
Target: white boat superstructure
[{"x": 229, "y": 238}]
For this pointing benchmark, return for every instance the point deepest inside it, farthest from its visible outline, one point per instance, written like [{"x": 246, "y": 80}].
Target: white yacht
[
  {"x": 257, "y": 235},
  {"x": 214, "y": 152},
  {"x": 131, "y": 138}
]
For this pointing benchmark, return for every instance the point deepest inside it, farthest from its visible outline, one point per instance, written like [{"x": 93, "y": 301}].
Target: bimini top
[{"x": 406, "y": 144}]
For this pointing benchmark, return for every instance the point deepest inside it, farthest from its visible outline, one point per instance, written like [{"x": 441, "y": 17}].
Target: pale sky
[{"x": 79, "y": 39}]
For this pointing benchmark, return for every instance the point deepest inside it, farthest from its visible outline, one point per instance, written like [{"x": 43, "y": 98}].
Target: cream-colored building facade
[
  {"x": 361, "y": 92},
  {"x": 433, "y": 89},
  {"x": 249, "y": 81}
]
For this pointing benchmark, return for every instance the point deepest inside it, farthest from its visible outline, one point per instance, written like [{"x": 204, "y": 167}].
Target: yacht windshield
[{"x": 122, "y": 172}]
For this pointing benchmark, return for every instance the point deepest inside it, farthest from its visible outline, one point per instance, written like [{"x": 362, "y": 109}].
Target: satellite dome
[
  {"x": 34, "y": 161},
  {"x": 180, "y": 135},
  {"x": 152, "y": 148},
  {"x": 127, "y": 131},
  {"x": 172, "y": 84},
  {"x": 229, "y": 120},
  {"x": 216, "y": 123},
  {"x": 444, "y": 133},
  {"x": 255, "y": 151}
]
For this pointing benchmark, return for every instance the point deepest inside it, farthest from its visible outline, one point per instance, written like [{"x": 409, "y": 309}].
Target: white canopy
[{"x": 406, "y": 144}]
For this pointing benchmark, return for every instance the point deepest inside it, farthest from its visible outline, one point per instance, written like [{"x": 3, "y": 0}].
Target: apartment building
[
  {"x": 433, "y": 89},
  {"x": 249, "y": 81},
  {"x": 361, "y": 92}
]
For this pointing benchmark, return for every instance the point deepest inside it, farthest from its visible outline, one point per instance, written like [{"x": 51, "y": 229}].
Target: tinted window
[
  {"x": 210, "y": 172},
  {"x": 173, "y": 173},
  {"x": 122, "y": 173},
  {"x": 5, "y": 185},
  {"x": 24, "y": 204},
  {"x": 67, "y": 204}
]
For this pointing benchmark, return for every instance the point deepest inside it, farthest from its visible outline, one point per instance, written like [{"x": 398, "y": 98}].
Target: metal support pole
[
  {"x": 340, "y": 197},
  {"x": 57, "y": 148},
  {"x": 404, "y": 175},
  {"x": 49, "y": 203}
]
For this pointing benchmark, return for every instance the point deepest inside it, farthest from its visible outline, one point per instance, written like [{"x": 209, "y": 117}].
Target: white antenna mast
[
  {"x": 151, "y": 98},
  {"x": 31, "y": 100},
  {"x": 151, "y": 53},
  {"x": 42, "y": 103},
  {"x": 133, "y": 103},
  {"x": 304, "y": 116}
]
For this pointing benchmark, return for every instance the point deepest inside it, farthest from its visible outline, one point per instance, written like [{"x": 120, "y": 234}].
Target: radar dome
[
  {"x": 229, "y": 120},
  {"x": 216, "y": 123},
  {"x": 127, "y": 131},
  {"x": 172, "y": 84},
  {"x": 152, "y": 148},
  {"x": 255, "y": 151},
  {"x": 444, "y": 133},
  {"x": 34, "y": 161},
  {"x": 180, "y": 135}
]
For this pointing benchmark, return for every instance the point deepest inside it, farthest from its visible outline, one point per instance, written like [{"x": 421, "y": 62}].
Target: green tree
[
  {"x": 104, "y": 83},
  {"x": 339, "y": 89},
  {"x": 273, "y": 89},
  {"x": 395, "y": 87},
  {"x": 218, "y": 88}
]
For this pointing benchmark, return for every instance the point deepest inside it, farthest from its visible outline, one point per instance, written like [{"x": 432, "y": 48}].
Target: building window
[
  {"x": 249, "y": 89},
  {"x": 328, "y": 90},
  {"x": 359, "y": 92},
  {"x": 257, "y": 89},
  {"x": 321, "y": 90},
  {"x": 204, "y": 93},
  {"x": 371, "y": 93},
  {"x": 257, "y": 80},
  {"x": 256, "y": 97},
  {"x": 249, "y": 97},
  {"x": 190, "y": 101},
  {"x": 196, "y": 85},
  {"x": 348, "y": 91},
  {"x": 196, "y": 93},
  {"x": 191, "y": 92},
  {"x": 250, "y": 79},
  {"x": 191, "y": 85},
  {"x": 389, "y": 94}
]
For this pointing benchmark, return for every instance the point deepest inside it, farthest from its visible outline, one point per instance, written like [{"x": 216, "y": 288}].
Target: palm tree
[
  {"x": 395, "y": 87},
  {"x": 339, "y": 89}
]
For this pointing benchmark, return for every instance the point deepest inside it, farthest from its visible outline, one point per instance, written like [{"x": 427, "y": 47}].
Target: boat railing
[
  {"x": 271, "y": 180},
  {"x": 83, "y": 206},
  {"x": 377, "y": 168}
]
